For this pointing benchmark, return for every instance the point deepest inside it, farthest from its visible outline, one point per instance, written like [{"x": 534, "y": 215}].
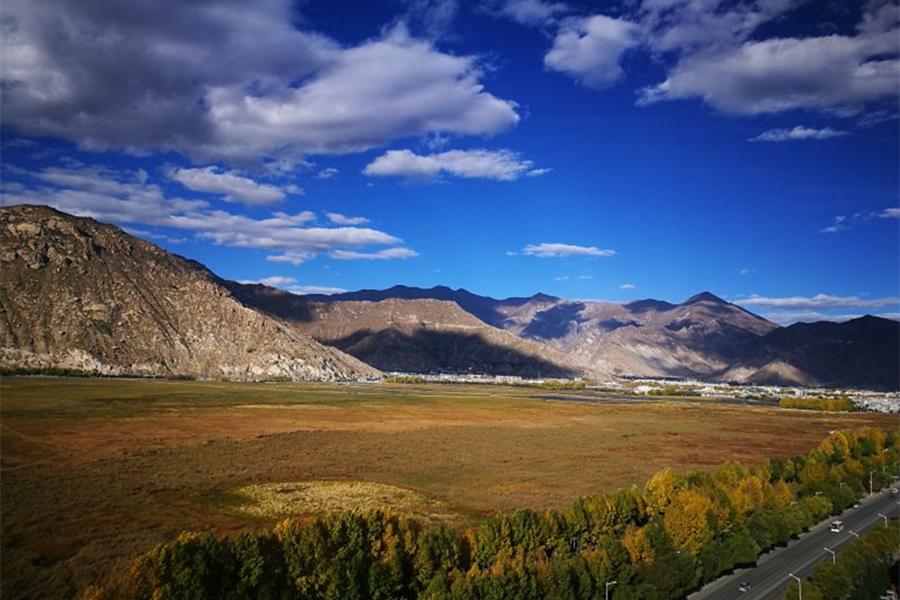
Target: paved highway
[{"x": 770, "y": 577}]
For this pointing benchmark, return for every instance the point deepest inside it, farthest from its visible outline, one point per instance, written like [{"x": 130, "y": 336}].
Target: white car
[{"x": 837, "y": 526}]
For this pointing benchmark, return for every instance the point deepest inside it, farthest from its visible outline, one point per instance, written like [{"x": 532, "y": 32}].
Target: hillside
[
  {"x": 411, "y": 335},
  {"x": 861, "y": 353},
  {"x": 699, "y": 337},
  {"x": 704, "y": 337},
  {"x": 79, "y": 294}
]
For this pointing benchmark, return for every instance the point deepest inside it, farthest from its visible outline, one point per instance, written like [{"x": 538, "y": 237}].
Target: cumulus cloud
[
  {"x": 798, "y": 133},
  {"x": 225, "y": 88},
  {"x": 327, "y": 173},
  {"x": 890, "y": 213},
  {"x": 776, "y": 75},
  {"x": 502, "y": 165},
  {"x": 127, "y": 197},
  {"x": 233, "y": 187},
  {"x": 339, "y": 219},
  {"x": 590, "y": 49},
  {"x": 554, "y": 250},
  {"x": 627, "y": 286},
  {"x": 684, "y": 26},
  {"x": 819, "y": 302},
  {"x": 386, "y": 254},
  {"x": 746, "y": 271}
]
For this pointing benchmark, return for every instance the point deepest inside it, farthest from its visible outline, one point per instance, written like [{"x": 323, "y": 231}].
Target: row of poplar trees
[{"x": 660, "y": 542}]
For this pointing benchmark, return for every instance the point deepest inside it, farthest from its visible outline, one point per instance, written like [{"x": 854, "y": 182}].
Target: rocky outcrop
[
  {"x": 412, "y": 336},
  {"x": 75, "y": 293}
]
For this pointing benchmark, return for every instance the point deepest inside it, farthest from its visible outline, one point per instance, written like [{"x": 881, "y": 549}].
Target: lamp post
[
  {"x": 871, "y": 489},
  {"x": 885, "y": 519},
  {"x": 799, "y": 584},
  {"x": 833, "y": 555},
  {"x": 609, "y": 583},
  {"x": 853, "y": 533}
]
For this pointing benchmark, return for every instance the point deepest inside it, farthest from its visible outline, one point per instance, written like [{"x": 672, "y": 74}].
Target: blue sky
[{"x": 645, "y": 148}]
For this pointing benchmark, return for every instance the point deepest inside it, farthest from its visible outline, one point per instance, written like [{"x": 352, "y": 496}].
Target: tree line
[{"x": 658, "y": 542}]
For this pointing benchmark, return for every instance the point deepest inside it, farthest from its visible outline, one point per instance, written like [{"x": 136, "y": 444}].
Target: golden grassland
[{"x": 94, "y": 472}]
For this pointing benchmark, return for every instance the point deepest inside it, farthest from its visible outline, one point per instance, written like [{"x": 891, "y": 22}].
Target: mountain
[
  {"x": 700, "y": 337},
  {"x": 409, "y": 334},
  {"x": 704, "y": 337},
  {"x": 76, "y": 293},
  {"x": 861, "y": 353},
  {"x": 484, "y": 307}
]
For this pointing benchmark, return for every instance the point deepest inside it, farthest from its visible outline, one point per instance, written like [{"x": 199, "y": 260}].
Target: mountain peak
[{"x": 704, "y": 297}]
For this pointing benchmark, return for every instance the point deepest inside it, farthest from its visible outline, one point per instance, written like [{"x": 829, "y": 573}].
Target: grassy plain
[{"x": 94, "y": 472}]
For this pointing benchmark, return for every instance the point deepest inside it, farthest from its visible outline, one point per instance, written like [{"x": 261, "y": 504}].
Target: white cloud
[
  {"x": 627, "y": 286},
  {"x": 303, "y": 290},
  {"x": 840, "y": 224},
  {"x": 226, "y": 88},
  {"x": 327, "y": 173},
  {"x": 538, "y": 172},
  {"x": 563, "y": 278},
  {"x": 591, "y": 48},
  {"x": 798, "y": 133},
  {"x": 546, "y": 250},
  {"x": 746, "y": 271},
  {"x": 819, "y": 302},
  {"x": 229, "y": 184},
  {"x": 890, "y": 213},
  {"x": 789, "y": 317},
  {"x": 274, "y": 281},
  {"x": 532, "y": 13},
  {"x": 775, "y": 75},
  {"x": 502, "y": 165},
  {"x": 126, "y": 197},
  {"x": 339, "y": 219},
  {"x": 585, "y": 277},
  {"x": 386, "y": 254},
  {"x": 685, "y": 26}
]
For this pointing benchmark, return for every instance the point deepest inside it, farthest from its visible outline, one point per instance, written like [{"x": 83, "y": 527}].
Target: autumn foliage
[{"x": 663, "y": 541}]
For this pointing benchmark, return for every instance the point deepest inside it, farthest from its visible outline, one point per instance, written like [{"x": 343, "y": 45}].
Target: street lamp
[
  {"x": 799, "y": 584},
  {"x": 871, "y": 489},
  {"x": 853, "y": 533},
  {"x": 609, "y": 583},
  {"x": 885, "y": 519},
  {"x": 818, "y": 494},
  {"x": 833, "y": 555}
]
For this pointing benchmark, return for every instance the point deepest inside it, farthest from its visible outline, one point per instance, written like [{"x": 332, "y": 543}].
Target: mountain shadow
[
  {"x": 433, "y": 351},
  {"x": 272, "y": 301},
  {"x": 860, "y": 353},
  {"x": 555, "y": 322}
]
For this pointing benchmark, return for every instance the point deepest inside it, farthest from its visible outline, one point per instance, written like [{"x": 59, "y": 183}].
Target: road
[{"x": 770, "y": 577}]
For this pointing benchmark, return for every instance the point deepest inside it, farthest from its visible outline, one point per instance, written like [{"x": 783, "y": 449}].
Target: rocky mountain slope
[
  {"x": 700, "y": 337},
  {"x": 411, "y": 335},
  {"x": 704, "y": 337},
  {"x": 861, "y": 353},
  {"x": 75, "y": 293}
]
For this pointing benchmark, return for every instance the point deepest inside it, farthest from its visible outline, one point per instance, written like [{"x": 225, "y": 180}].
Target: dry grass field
[{"x": 95, "y": 472}]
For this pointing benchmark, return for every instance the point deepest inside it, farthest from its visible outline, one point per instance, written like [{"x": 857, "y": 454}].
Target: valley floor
[{"x": 94, "y": 472}]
